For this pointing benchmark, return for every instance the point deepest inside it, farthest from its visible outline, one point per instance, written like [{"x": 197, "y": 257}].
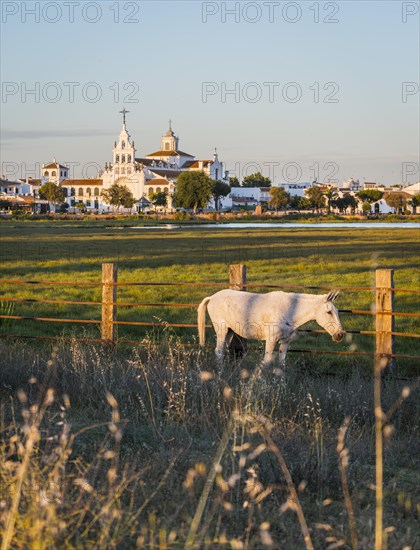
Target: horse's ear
[{"x": 332, "y": 295}]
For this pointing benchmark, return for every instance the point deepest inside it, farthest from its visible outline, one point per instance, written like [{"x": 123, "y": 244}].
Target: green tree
[
  {"x": 370, "y": 195},
  {"x": 366, "y": 207},
  {"x": 234, "y": 182},
  {"x": 220, "y": 189},
  {"x": 315, "y": 196},
  {"x": 299, "y": 203},
  {"x": 342, "y": 203},
  {"x": 64, "y": 207},
  {"x": 127, "y": 199},
  {"x": 278, "y": 198},
  {"x": 193, "y": 190},
  {"x": 159, "y": 199},
  {"x": 397, "y": 201},
  {"x": 118, "y": 195},
  {"x": 415, "y": 201},
  {"x": 5, "y": 204},
  {"x": 256, "y": 180},
  {"x": 330, "y": 195},
  {"x": 350, "y": 201},
  {"x": 52, "y": 193}
]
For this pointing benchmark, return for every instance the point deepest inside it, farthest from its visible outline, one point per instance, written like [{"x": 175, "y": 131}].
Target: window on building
[
  {"x": 46, "y": 173},
  {"x": 117, "y": 158},
  {"x": 122, "y": 170},
  {"x": 89, "y": 191},
  {"x": 73, "y": 192},
  {"x": 167, "y": 146},
  {"x": 80, "y": 191},
  {"x": 96, "y": 191},
  {"x": 165, "y": 190},
  {"x": 128, "y": 170},
  {"x": 123, "y": 145},
  {"x": 53, "y": 173},
  {"x": 123, "y": 158},
  {"x": 217, "y": 173},
  {"x": 129, "y": 158},
  {"x": 158, "y": 190},
  {"x": 150, "y": 192}
]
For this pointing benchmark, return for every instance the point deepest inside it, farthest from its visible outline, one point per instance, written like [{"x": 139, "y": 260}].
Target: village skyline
[{"x": 323, "y": 90}]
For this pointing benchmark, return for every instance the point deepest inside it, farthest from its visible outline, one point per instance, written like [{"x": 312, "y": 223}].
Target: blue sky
[{"x": 317, "y": 87}]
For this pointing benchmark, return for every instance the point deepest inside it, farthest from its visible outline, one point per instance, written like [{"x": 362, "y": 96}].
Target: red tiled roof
[
  {"x": 55, "y": 165},
  {"x": 157, "y": 181},
  {"x": 196, "y": 164},
  {"x": 31, "y": 181},
  {"x": 166, "y": 173},
  {"x": 82, "y": 182},
  {"x": 169, "y": 154}
]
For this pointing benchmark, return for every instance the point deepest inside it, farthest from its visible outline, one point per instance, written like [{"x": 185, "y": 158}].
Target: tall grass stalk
[
  {"x": 343, "y": 463},
  {"x": 185, "y": 453},
  {"x": 379, "y": 366},
  {"x": 295, "y": 502},
  {"x": 191, "y": 538}
]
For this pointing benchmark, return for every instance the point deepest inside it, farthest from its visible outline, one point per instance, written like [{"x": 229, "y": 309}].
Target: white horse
[{"x": 273, "y": 317}]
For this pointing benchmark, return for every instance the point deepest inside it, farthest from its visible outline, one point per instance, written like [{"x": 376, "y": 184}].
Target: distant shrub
[{"x": 182, "y": 216}]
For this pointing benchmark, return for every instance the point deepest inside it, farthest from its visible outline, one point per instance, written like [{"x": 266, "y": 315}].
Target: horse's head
[{"x": 327, "y": 316}]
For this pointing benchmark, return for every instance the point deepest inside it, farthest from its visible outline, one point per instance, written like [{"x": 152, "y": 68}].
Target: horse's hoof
[{"x": 280, "y": 373}]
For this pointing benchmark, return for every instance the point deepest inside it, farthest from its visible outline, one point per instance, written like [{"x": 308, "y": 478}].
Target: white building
[
  {"x": 54, "y": 172},
  {"x": 15, "y": 187},
  {"x": 295, "y": 189},
  {"x": 352, "y": 185},
  {"x": 413, "y": 189},
  {"x": 153, "y": 173},
  {"x": 248, "y": 196}
]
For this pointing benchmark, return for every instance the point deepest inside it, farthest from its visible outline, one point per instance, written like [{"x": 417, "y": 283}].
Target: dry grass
[{"x": 155, "y": 447}]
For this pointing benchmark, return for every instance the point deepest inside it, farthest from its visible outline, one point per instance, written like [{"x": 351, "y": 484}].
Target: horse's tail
[{"x": 201, "y": 320}]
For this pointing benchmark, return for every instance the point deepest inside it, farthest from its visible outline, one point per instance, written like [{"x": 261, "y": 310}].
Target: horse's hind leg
[
  {"x": 221, "y": 334},
  {"x": 237, "y": 346}
]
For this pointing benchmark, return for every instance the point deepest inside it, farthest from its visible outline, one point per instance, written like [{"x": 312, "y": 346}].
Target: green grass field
[
  {"x": 74, "y": 251},
  {"x": 158, "y": 447}
]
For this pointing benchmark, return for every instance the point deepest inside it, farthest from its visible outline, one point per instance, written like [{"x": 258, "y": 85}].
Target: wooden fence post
[
  {"x": 237, "y": 277},
  {"x": 237, "y": 281},
  {"x": 109, "y": 298},
  {"x": 385, "y": 322}
]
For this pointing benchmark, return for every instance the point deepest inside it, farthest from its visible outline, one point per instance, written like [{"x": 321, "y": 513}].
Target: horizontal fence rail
[
  {"x": 181, "y": 325},
  {"x": 215, "y": 284},
  {"x": 176, "y": 305},
  {"x": 384, "y": 313}
]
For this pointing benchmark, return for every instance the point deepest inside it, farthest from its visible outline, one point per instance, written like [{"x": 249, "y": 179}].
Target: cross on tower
[
  {"x": 170, "y": 124},
  {"x": 124, "y": 112}
]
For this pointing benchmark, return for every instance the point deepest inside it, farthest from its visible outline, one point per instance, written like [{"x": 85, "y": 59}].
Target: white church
[{"x": 154, "y": 173}]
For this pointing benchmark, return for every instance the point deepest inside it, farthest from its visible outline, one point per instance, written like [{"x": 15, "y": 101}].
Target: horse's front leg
[
  {"x": 269, "y": 352},
  {"x": 283, "y": 347},
  {"x": 281, "y": 370}
]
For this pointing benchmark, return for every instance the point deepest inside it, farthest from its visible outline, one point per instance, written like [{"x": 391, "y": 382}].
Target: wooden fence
[{"x": 384, "y": 312}]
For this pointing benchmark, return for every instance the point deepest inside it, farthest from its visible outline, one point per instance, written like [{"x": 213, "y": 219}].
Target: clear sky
[{"x": 317, "y": 89}]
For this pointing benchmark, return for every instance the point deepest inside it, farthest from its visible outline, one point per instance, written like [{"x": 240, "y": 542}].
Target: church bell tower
[{"x": 123, "y": 162}]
